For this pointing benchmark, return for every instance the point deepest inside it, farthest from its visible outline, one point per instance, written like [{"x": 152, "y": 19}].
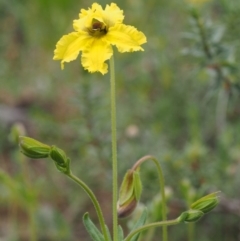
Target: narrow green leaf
[
  {"x": 92, "y": 229},
  {"x": 108, "y": 233},
  {"x": 141, "y": 221},
  {"x": 120, "y": 233}
]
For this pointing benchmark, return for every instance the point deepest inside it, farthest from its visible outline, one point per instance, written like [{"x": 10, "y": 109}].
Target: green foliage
[
  {"x": 173, "y": 100},
  {"x": 120, "y": 233},
  {"x": 141, "y": 221},
  {"x": 92, "y": 229}
]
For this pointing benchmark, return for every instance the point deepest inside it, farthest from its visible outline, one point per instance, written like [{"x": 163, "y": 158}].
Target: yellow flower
[{"x": 96, "y": 31}]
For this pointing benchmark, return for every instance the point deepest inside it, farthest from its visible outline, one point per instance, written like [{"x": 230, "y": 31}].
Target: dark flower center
[{"x": 98, "y": 28}]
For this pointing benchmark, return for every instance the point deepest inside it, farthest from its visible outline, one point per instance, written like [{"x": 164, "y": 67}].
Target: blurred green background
[{"x": 178, "y": 100}]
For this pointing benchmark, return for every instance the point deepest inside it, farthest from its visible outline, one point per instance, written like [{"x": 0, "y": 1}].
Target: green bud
[
  {"x": 33, "y": 148},
  {"x": 137, "y": 185},
  {"x": 60, "y": 159},
  {"x": 129, "y": 194},
  {"x": 206, "y": 203},
  {"x": 190, "y": 216},
  {"x": 127, "y": 188},
  {"x": 16, "y": 130}
]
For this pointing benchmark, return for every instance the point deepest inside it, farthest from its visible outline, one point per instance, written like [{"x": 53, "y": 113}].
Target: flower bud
[
  {"x": 33, "y": 148},
  {"x": 127, "y": 208},
  {"x": 60, "y": 159},
  {"x": 129, "y": 194},
  {"x": 16, "y": 130},
  {"x": 190, "y": 216},
  {"x": 206, "y": 203}
]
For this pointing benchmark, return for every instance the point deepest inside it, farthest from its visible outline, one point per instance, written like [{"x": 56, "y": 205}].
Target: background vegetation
[{"x": 178, "y": 100}]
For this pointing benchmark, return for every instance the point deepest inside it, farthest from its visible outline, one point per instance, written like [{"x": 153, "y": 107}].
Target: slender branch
[
  {"x": 31, "y": 207},
  {"x": 223, "y": 96},
  {"x": 221, "y": 109},
  {"x": 94, "y": 201},
  {"x": 114, "y": 149},
  {"x": 191, "y": 231},
  {"x": 202, "y": 33},
  {"x": 162, "y": 189},
  {"x": 152, "y": 225}
]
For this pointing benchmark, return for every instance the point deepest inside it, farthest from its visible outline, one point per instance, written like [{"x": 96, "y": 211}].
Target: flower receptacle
[
  {"x": 61, "y": 160},
  {"x": 190, "y": 216}
]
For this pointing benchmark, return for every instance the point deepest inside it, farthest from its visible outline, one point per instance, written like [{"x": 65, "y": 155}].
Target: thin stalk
[
  {"x": 221, "y": 110},
  {"x": 114, "y": 149},
  {"x": 94, "y": 201},
  {"x": 30, "y": 207},
  {"x": 33, "y": 226},
  {"x": 152, "y": 225},
  {"x": 149, "y": 235},
  {"x": 221, "y": 79},
  {"x": 162, "y": 189},
  {"x": 202, "y": 33},
  {"x": 191, "y": 231}
]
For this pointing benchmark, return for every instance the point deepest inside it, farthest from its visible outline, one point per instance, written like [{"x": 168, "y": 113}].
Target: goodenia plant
[{"x": 96, "y": 31}]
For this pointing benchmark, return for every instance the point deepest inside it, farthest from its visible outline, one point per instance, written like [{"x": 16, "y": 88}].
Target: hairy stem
[
  {"x": 114, "y": 149},
  {"x": 162, "y": 189},
  {"x": 152, "y": 225},
  {"x": 94, "y": 201}
]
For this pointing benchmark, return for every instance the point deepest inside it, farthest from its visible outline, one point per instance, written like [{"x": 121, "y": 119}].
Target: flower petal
[
  {"x": 80, "y": 24},
  {"x": 94, "y": 56},
  {"x": 126, "y": 38},
  {"x": 68, "y": 46},
  {"x": 112, "y": 15},
  {"x": 85, "y": 17}
]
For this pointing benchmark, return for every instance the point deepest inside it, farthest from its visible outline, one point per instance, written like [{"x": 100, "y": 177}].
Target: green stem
[
  {"x": 221, "y": 110},
  {"x": 114, "y": 149},
  {"x": 94, "y": 201},
  {"x": 202, "y": 33},
  {"x": 29, "y": 206},
  {"x": 191, "y": 231},
  {"x": 152, "y": 225},
  {"x": 162, "y": 189},
  {"x": 33, "y": 226},
  {"x": 223, "y": 96}
]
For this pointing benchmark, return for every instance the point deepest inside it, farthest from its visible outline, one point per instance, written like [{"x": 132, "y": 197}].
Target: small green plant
[
  {"x": 20, "y": 191},
  {"x": 211, "y": 44},
  {"x": 96, "y": 31}
]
